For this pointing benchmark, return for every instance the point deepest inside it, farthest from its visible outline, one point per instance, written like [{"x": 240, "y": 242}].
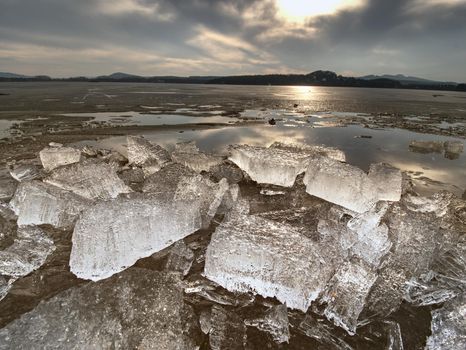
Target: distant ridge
[{"x": 316, "y": 78}]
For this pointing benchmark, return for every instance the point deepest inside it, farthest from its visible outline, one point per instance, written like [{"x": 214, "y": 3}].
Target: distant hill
[
  {"x": 407, "y": 80},
  {"x": 12, "y": 75}
]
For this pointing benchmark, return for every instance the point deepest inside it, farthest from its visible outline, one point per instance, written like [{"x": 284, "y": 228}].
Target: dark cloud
[{"x": 69, "y": 37}]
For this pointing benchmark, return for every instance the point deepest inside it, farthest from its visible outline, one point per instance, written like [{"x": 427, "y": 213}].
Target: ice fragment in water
[
  {"x": 180, "y": 258},
  {"x": 143, "y": 153},
  {"x": 25, "y": 173},
  {"x": 426, "y": 146},
  {"x": 248, "y": 253},
  {"x": 449, "y": 326},
  {"x": 387, "y": 180},
  {"x": 111, "y": 236},
  {"x": 38, "y": 203},
  {"x": 330, "y": 152},
  {"x": 137, "y": 309},
  {"x": 189, "y": 155},
  {"x": 453, "y": 149},
  {"x": 228, "y": 330},
  {"x": 53, "y": 157},
  {"x": 275, "y": 322},
  {"x": 347, "y": 293}
]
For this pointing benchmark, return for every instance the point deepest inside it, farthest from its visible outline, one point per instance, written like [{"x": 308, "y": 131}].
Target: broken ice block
[
  {"x": 168, "y": 177},
  {"x": 25, "y": 173},
  {"x": 387, "y": 180},
  {"x": 449, "y": 326},
  {"x": 421, "y": 293},
  {"x": 274, "y": 322},
  {"x": 437, "y": 203},
  {"x": 116, "y": 313},
  {"x": 189, "y": 155},
  {"x": 111, "y": 236},
  {"x": 395, "y": 340},
  {"x": 38, "y": 203},
  {"x": 248, "y": 253},
  {"x": 340, "y": 183},
  {"x": 228, "y": 330},
  {"x": 180, "y": 258},
  {"x": 53, "y": 157},
  {"x": 270, "y": 165},
  {"x": 330, "y": 152},
  {"x": 28, "y": 252},
  {"x": 453, "y": 149},
  {"x": 346, "y": 294},
  {"x": 89, "y": 179},
  {"x": 143, "y": 153},
  {"x": 426, "y": 146}
]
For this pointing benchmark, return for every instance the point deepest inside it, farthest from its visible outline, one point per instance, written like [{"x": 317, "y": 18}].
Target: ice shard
[
  {"x": 137, "y": 309},
  {"x": 387, "y": 180},
  {"x": 149, "y": 156},
  {"x": 228, "y": 330},
  {"x": 89, "y": 179},
  {"x": 180, "y": 258},
  {"x": 249, "y": 253},
  {"x": 168, "y": 177},
  {"x": 113, "y": 235},
  {"x": 38, "y": 203},
  {"x": 347, "y": 292},
  {"x": 437, "y": 203},
  {"x": 426, "y": 146},
  {"x": 449, "y": 326},
  {"x": 190, "y": 156},
  {"x": 25, "y": 172},
  {"x": 54, "y": 157},
  {"x": 330, "y": 152},
  {"x": 453, "y": 149},
  {"x": 274, "y": 322}
]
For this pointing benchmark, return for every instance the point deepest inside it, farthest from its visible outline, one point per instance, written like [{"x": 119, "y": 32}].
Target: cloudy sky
[{"x": 222, "y": 37}]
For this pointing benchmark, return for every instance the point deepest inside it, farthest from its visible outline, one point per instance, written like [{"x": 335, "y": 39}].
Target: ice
[
  {"x": 138, "y": 309},
  {"x": 395, "y": 340},
  {"x": 180, "y": 258},
  {"x": 330, "y": 152},
  {"x": 143, "y": 153},
  {"x": 274, "y": 322},
  {"x": 25, "y": 173},
  {"x": 248, "y": 253},
  {"x": 205, "y": 321},
  {"x": 453, "y": 149},
  {"x": 449, "y": 326},
  {"x": 347, "y": 292},
  {"x": 210, "y": 291},
  {"x": 189, "y": 155},
  {"x": 387, "y": 180},
  {"x": 54, "y": 157},
  {"x": 111, "y": 236},
  {"x": 228, "y": 171},
  {"x": 427, "y": 146},
  {"x": 349, "y": 186},
  {"x": 421, "y": 293},
  {"x": 270, "y": 165},
  {"x": 89, "y": 179},
  {"x": 228, "y": 330},
  {"x": 38, "y": 203},
  {"x": 437, "y": 203},
  {"x": 168, "y": 177}
]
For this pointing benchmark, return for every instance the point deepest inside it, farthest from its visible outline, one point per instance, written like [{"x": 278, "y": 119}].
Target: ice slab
[
  {"x": 89, "y": 179},
  {"x": 38, "y": 203},
  {"x": 437, "y": 203},
  {"x": 249, "y": 253},
  {"x": 111, "y": 236},
  {"x": 180, "y": 258},
  {"x": 25, "y": 173},
  {"x": 138, "y": 309},
  {"x": 54, "y": 157},
  {"x": 143, "y": 153},
  {"x": 275, "y": 322},
  {"x": 330, "y": 152},
  {"x": 228, "y": 330},
  {"x": 449, "y": 326},
  {"x": 427, "y": 146},
  {"x": 190, "y": 156},
  {"x": 28, "y": 252},
  {"x": 453, "y": 149},
  {"x": 349, "y": 186},
  {"x": 168, "y": 177},
  {"x": 347, "y": 292}
]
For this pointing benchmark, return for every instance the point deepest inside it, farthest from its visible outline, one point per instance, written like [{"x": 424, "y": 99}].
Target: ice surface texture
[
  {"x": 275, "y": 322},
  {"x": 54, "y": 157},
  {"x": 142, "y": 152},
  {"x": 138, "y": 309},
  {"x": 38, "y": 203},
  {"x": 189, "y": 155},
  {"x": 111, "y": 236}
]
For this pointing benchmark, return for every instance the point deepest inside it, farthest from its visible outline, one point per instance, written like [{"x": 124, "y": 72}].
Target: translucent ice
[
  {"x": 274, "y": 322},
  {"x": 453, "y": 149},
  {"x": 330, "y": 152},
  {"x": 449, "y": 326},
  {"x": 189, "y": 155},
  {"x": 248, "y": 253},
  {"x": 54, "y": 157},
  {"x": 38, "y": 203},
  {"x": 437, "y": 203},
  {"x": 25, "y": 172},
  {"x": 138, "y": 309},
  {"x": 387, "y": 180},
  {"x": 111, "y": 236},
  {"x": 143, "y": 153},
  {"x": 89, "y": 179},
  {"x": 228, "y": 330},
  {"x": 426, "y": 146},
  {"x": 180, "y": 258}
]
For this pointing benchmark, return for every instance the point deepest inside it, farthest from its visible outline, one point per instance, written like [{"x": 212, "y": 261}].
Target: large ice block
[
  {"x": 190, "y": 156},
  {"x": 249, "y": 253},
  {"x": 111, "y": 236},
  {"x": 449, "y": 326},
  {"x": 168, "y": 177},
  {"x": 330, "y": 152},
  {"x": 38, "y": 203},
  {"x": 89, "y": 179},
  {"x": 143, "y": 153},
  {"x": 138, "y": 309},
  {"x": 387, "y": 180},
  {"x": 28, "y": 252},
  {"x": 54, "y": 157}
]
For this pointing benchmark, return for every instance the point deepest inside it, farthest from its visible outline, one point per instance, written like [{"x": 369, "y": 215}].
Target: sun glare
[{"x": 299, "y": 10}]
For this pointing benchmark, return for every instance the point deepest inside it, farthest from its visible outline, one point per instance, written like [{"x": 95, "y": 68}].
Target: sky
[{"x": 63, "y": 38}]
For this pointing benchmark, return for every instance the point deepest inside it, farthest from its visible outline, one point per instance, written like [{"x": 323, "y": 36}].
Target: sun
[{"x": 299, "y": 10}]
